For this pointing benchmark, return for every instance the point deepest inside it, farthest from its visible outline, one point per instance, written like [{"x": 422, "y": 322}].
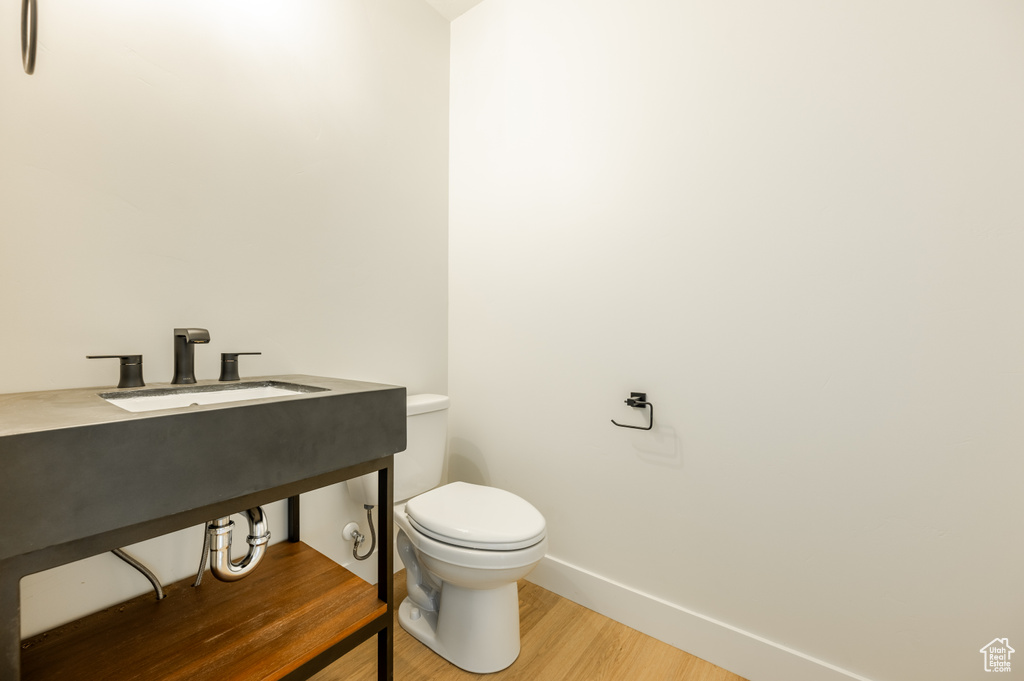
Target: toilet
[{"x": 464, "y": 546}]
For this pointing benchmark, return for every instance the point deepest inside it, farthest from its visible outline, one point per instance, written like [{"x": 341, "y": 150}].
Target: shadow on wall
[
  {"x": 659, "y": 446},
  {"x": 466, "y": 463}
]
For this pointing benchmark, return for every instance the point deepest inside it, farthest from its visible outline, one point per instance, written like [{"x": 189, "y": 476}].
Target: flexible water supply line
[
  {"x": 359, "y": 537},
  {"x": 137, "y": 564},
  {"x": 204, "y": 557},
  {"x": 219, "y": 533}
]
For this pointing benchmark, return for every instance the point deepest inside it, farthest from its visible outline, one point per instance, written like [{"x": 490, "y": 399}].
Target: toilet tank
[{"x": 419, "y": 467}]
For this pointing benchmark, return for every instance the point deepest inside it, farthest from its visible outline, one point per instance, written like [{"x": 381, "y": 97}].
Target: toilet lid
[{"x": 476, "y": 517}]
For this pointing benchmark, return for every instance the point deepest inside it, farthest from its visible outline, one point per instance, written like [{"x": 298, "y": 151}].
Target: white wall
[
  {"x": 273, "y": 171},
  {"x": 798, "y": 227}
]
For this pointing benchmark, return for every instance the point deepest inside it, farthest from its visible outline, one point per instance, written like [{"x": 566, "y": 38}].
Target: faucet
[{"x": 185, "y": 341}]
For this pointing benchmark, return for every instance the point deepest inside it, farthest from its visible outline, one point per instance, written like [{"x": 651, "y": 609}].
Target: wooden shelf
[{"x": 296, "y": 606}]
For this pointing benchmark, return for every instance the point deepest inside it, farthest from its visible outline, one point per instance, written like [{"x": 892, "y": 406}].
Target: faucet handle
[
  {"x": 131, "y": 369},
  {"x": 229, "y": 364}
]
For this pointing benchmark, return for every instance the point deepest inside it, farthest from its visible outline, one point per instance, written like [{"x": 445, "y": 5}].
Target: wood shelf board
[{"x": 294, "y": 606}]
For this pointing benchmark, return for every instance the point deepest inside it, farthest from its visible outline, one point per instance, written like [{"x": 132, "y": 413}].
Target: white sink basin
[{"x": 191, "y": 395}]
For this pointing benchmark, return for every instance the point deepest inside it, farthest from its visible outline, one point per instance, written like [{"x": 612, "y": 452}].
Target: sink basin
[{"x": 192, "y": 395}]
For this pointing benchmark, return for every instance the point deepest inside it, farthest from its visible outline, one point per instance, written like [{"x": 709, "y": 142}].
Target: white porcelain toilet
[{"x": 464, "y": 547}]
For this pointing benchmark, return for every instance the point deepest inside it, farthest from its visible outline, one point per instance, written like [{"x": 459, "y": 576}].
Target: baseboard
[{"x": 738, "y": 651}]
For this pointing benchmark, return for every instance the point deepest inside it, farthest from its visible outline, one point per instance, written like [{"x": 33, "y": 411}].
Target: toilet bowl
[{"x": 464, "y": 548}]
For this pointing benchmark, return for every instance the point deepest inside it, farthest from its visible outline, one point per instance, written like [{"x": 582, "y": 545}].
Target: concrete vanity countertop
[
  {"x": 75, "y": 466},
  {"x": 73, "y": 407}
]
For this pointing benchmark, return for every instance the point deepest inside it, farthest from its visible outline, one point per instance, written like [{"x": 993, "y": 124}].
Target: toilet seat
[{"x": 476, "y": 517}]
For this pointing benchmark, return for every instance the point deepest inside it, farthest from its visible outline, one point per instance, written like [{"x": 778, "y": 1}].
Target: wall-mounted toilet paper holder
[{"x": 638, "y": 401}]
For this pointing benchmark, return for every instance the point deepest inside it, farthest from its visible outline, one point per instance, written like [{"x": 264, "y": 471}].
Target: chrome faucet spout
[{"x": 185, "y": 341}]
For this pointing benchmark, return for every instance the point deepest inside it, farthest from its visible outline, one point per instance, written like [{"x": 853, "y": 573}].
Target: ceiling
[{"x": 450, "y": 9}]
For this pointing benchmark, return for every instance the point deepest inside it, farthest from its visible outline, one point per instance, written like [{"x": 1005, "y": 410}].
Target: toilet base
[{"x": 474, "y": 629}]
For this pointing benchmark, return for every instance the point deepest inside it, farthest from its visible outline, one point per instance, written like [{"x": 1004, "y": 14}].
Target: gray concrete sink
[
  {"x": 80, "y": 476},
  {"x": 76, "y": 468}
]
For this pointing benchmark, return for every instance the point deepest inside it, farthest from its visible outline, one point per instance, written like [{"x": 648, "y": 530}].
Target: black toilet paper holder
[{"x": 638, "y": 401}]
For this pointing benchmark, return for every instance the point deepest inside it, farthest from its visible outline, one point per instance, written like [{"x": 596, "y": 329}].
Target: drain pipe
[{"x": 219, "y": 532}]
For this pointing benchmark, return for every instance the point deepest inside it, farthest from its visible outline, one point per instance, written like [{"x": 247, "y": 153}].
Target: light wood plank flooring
[{"x": 562, "y": 641}]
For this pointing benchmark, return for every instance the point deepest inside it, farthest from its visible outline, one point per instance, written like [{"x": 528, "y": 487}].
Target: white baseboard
[{"x": 738, "y": 651}]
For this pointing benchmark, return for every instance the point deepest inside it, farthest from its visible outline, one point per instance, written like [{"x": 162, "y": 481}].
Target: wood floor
[{"x": 562, "y": 641}]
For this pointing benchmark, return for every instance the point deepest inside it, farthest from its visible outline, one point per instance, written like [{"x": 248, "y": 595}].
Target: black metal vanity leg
[
  {"x": 386, "y": 571},
  {"x": 293, "y": 518},
  {"x": 386, "y": 653},
  {"x": 10, "y": 624}
]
